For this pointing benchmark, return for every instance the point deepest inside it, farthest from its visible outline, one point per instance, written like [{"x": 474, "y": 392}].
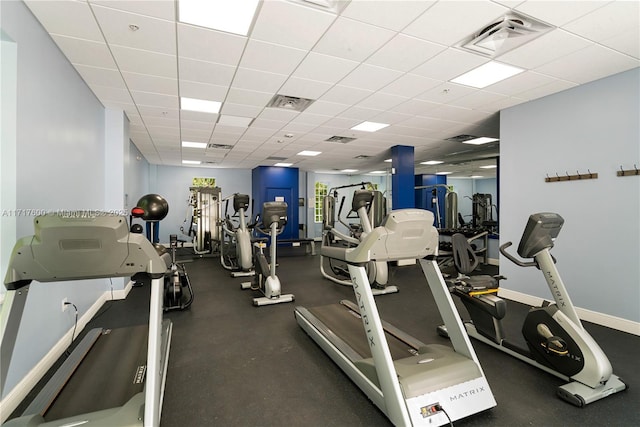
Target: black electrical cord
[
  {"x": 75, "y": 325},
  {"x": 440, "y": 408}
]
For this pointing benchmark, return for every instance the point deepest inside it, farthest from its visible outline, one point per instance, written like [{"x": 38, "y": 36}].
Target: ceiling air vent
[
  {"x": 340, "y": 139},
  {"x": 461, "y": 138},
  {"x": 289, "y": 103},
  {"x": 362, "y": 157},
  {"x": 278, "y": 159},
  {"x": 220, "y": 146},
  {"x": 508, "y": 33}
]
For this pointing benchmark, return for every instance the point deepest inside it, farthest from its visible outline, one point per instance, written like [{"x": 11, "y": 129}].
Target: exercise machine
[
  {"x": 272, "y": 222},
  {"x": 556, "y": 340},
  {"x": 411, "y": 382},
  {"x": 236, "y": 253},
  {"x": 178, "y": 293},
  {"x": 368, "y": 206},
  {"x": 113, "y": 377},
  {"x": 205, "y": 214}
]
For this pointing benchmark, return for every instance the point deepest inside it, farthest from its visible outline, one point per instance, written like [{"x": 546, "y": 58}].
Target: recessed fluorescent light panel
[
  {"x": 370, "y": 126},
  {"x": 188, "y": 144},
  {"x": 191, "y": 162},
  {"x": 284, "y": 165},
  {"x": 487, "y": 74},
  {"x": 309, "y": 153},
  {"x": 349, "y": 170},
  {"x": 377, "y": 172},
  {"x": 444, "y": 173},
  {"x": 488, "y": 167},
  {"x": 230, "y": 16},
  {"x": 432, "y": 162},
  {"x": 476, "y": 176},
  {"x": 201, "y": 105},
  {"x": 480, "y": 141},
  {"x": 388, "y": 161}
]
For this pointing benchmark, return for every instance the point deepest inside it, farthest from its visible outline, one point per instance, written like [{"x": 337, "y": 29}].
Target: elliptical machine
[
  {"x": 273, "y": 219},
  {"x": 152, "y": 208},
  {"x": 241, "y": 262},
  {"x": 556, "y": 339},
  {"x": 368, "y": 207}
]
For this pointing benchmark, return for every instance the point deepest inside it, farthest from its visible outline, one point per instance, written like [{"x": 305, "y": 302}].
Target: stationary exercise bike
[
  {"x": 241, "y": 262},
  {"x": 556, "y": 340},
  {"x": 272, "y": 222}
]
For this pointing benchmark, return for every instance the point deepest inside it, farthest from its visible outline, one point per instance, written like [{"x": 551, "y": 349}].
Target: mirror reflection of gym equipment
[
  {"x": 368, "y": 206},
  {"x": 94, "y": 384},
  {"x": 556, "y": 340}
]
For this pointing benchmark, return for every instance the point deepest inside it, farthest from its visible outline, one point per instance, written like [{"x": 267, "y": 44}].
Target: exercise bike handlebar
[{"x": 513, "y": 259}]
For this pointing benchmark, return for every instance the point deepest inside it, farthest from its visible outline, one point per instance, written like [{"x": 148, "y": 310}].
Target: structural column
[{"x": 402, "y": 180}]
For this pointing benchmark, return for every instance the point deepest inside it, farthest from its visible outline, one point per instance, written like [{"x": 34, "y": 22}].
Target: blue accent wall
[
  {"x": 402, "y": 193},
  {"x": 268, "y": 182},
  {"x": 424, "y": 197}
]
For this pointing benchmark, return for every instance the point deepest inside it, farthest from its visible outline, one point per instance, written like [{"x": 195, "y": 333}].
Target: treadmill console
[{"x": 539, "y": 233}]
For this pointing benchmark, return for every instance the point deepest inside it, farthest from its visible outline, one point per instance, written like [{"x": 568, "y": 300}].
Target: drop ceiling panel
[
  {"x": 588, "y": 64},
  {"x": 449, "y": 64},
  {"x": 54, "y": 16},
  {"x": 147, "y": 83},
  {"x": 381, "y": 101},
  {"x": 290, "y": 24},
  {"x": 345, "y": 94},
  {"x": 324, "y": 68},
  {"x": 209, "y": 45},
  {"x": 610, "y": 24},
  {"x": 272, "y": 58},
  {"x": 246, "y": 78},
  {"x": 304, "y": 88},
  {"x": 156, "y": 8},
  {"x": 393, "y": 15},
  {"x": 155, "y": 99},
  {"x": 352, "y": 40},
  {"x": 240, "y": 109},
  {"x": 445, "y": 93},
  {"x": 519, "y": 83},
  {"x": 448, "y": 22},
  {"x": 546, "y": 48},
  {"x": 370, "y": 77},
  {"x": 101, "y": 76},
  {"x": 153, "y": 34},
  {"x": 111, "y": 94},
  {"x": 85, "y": 52},
  {"x": 410, "y": 85},
  {"x": 145, "y": 62},
  {"x": 248, "y": 97},
  {"x": 205, "y": 72},
  {"x": 404, "y": 53},
  {"x": 559, "y": 13}
]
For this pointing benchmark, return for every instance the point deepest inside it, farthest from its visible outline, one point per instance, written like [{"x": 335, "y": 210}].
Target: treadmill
[
  {"x": 411, "y": 382},
  {"x": 113, "y": 377}
]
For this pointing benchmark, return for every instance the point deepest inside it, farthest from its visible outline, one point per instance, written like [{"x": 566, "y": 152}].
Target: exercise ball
[{"x": 155, "y": 207}]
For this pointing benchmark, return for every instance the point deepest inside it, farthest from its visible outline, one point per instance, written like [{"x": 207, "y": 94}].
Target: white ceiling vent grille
[
  {"x": 340, "y": 139},
  {"x": 289, "y": 103},
  {"x": 499, "y": 37},
  {"x": 333, "y": 6}
]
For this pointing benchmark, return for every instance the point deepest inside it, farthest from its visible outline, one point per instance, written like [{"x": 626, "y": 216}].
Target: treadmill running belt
[
  {"x": 348, "y": 326},
  {"x": 106, "y": 377}
]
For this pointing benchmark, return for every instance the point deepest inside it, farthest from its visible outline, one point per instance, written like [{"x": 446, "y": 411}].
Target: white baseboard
[
  {"x": 20, "y": 391},
  {"x": 602, "y": 319},
  {"x": 493, "y": 261}
]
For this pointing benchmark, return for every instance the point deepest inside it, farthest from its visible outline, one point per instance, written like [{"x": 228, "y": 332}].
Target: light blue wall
[
  {"x": 60, "y": 148},
  {"x": 594, "y": 127},
  {"x": 467, "y": 187},
  {"x": 136, "y": 181},
  {"x": 173, "y": 182}
]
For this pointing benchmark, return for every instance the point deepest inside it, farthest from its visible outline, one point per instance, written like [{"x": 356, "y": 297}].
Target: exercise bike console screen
[{"x": 540, "y": 232}]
